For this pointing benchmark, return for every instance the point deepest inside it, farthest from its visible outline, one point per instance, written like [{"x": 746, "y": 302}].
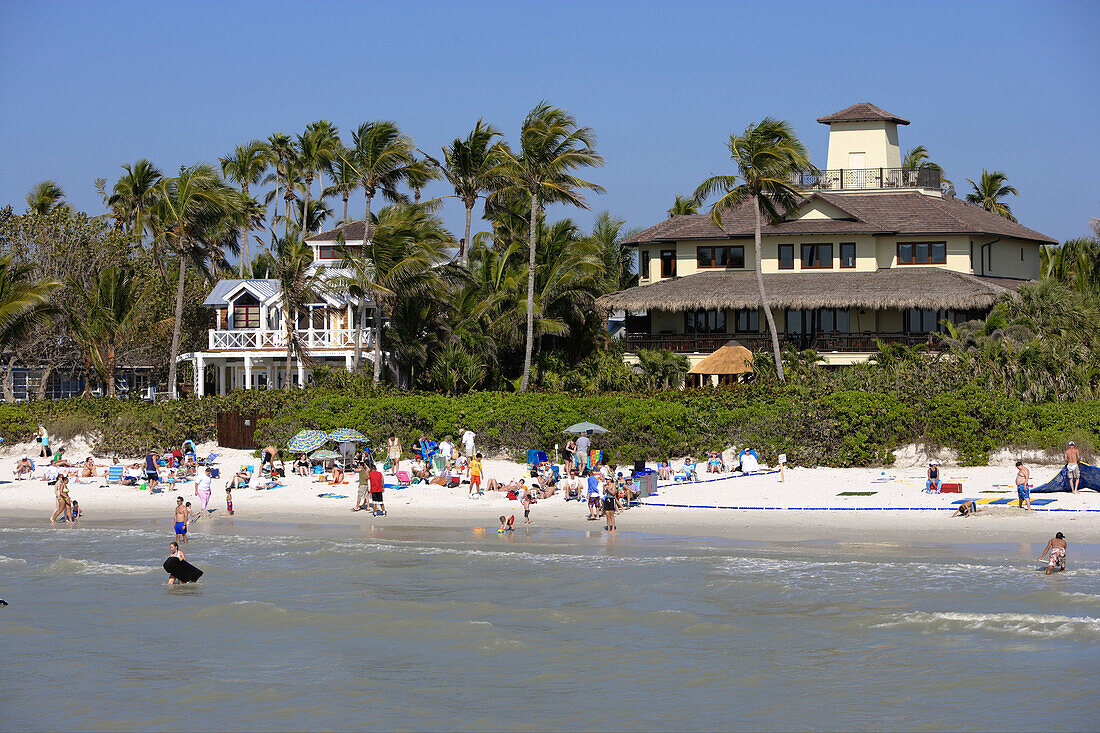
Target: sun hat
[{"x": 1071, "y": 442}]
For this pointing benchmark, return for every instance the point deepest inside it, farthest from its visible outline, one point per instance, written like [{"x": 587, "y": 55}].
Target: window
[
  {"x": 668, "y": 263},
  {"x": 817, "y": 256},
  {"x": 246, "y": 311},
  {"x": 709, "y": 321},
  {"x": 643, "y": 264},
  {"x": 847, "y": 254},
  {"x": 720, "y": 256},
  {"x": 786, "y": 257},
  {"x": 333, "y": 251},
  {"x": 821, "y": 320},
  {"x": 922, "y": 253},
  {"x": 313, "y": 317},
  {"x": 748, "y": 321},
  {"x": 924, "y": 320}
]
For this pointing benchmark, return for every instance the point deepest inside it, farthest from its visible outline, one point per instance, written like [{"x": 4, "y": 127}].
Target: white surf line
[{"x": 832, "y": 508}]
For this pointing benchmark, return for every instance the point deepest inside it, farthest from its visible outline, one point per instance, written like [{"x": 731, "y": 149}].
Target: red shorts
[{"x": 475, "y": 480}]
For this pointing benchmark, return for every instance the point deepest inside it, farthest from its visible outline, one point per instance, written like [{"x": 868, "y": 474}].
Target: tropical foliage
[{"x": 990, "y": 191}]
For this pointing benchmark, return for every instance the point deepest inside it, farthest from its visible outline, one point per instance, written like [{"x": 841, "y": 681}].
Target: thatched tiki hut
[{"x": 729, "y": 364}]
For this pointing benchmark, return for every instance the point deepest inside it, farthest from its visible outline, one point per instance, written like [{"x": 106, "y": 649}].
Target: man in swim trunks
[
  {"x": 182, "y": 515},
  {"x": 152, "y": 475},
  {"x": 1073, "y": 471},
  {"x": 967, "y": 508},
  {"x": 1023, "y": 485},
  {"x": 1057, "y": 547}
]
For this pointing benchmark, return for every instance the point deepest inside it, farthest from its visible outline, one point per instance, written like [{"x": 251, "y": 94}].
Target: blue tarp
[{"x": 1090, "y": 479}]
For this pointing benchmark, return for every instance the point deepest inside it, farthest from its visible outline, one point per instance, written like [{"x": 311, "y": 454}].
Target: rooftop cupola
[{"x": 863, "y": 136}]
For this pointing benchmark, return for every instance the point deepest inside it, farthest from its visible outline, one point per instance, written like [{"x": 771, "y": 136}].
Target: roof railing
[{"x": 857, "y": 179}]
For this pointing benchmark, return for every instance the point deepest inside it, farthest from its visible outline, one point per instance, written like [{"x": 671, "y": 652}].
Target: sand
[{"x": 805, "y": 506}]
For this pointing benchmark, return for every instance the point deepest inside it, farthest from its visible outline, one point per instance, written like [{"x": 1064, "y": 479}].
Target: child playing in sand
[
  {"x": 475, "y": 475},
  {"x": 526, "y": 502},
  {"x": 77, "y": 511},
  {"x": 503, "y": 524}
]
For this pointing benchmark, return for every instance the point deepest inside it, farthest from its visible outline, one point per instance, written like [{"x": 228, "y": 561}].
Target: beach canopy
[
  {"x": 347, "y": 435},
  {"x": 585, "y": 427},
  {"x": 731, "y": 358},
  {"x": 307, "y": 440},
  {"x": 325, "y": 455}
]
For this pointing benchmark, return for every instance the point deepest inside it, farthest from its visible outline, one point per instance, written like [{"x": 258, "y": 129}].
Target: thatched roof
[
  {"x": 731, "y": 358},
  {"x": 899, "y": 287},
  {"x": 862, "y": 112},
  {"x": 867, "y": 212}
]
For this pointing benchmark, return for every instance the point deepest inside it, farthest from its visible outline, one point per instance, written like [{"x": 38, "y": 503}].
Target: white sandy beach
[{"x": 806, "y": 506}]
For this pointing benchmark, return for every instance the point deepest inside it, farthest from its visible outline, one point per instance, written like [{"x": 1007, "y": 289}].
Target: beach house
[
  {"x": 872, "y": 251},
  {"x": 247, "y": 347}
]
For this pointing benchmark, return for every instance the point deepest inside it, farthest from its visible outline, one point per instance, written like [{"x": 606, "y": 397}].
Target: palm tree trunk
[
  {"x": 244, "y": 240},
  {"x": 303, "y": 224},
  {"x": 361, "y": 309},
  {"x": 377, "y": 341},
  {"x": 347, "y": 195},
  {"x": 87, "y": 391},
  {"x": 177, "y": 325},
  {"x": 763, "y": 296},
  {"x": 464, "y": 255},
  {"x": 530, "y": 298},
  {"x": 289, "y": 340},
  {"x": 9, "y": 388},
  {"x": 109, "y": 366}
]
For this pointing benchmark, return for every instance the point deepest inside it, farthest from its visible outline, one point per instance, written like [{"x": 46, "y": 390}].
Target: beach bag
[
  {"x": 386, "y": 465},
  {"x": 38, "y": 439}
]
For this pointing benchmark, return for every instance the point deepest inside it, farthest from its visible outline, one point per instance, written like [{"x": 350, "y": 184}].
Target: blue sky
[{"x": 88, "y": 86}]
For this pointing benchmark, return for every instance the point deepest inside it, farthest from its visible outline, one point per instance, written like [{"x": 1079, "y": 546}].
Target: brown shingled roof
[
  {"x": 352, "y": 231},
  {"x": 901, "y": 213},
  {"x": 909, "y": 287},
  {"x": 862, "y": 112}
]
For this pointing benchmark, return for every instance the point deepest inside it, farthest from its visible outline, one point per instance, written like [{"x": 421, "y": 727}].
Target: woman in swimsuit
[
  {"x": 174, "y": 548},
  {"x": 61, "y": 492}
]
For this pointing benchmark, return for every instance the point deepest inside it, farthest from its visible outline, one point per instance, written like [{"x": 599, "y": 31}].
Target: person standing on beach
[
  {"x": 182, "y": 515},
  {"x": 466, "y": 437},
  {"x": 61, "y": 494},
  {"x": 609, "y": 504},
  {"x": 474, "y": 468},
  {"x": 152, "y": 475},
  {"x": 44, "y": 440},
  {"x": 1073, "y": 471},
  {"x": 377, "y": 486},
  {"x": 1023, "y": 485},
  {"x": 1057, "y": 547},
  {"x": 393, "y": 452},
  {"x": 202, "y": 486},
  {"x": 364, "y": 489},
  {"x": 584, "y": 443},
  {"x": 526, "y": 502},
  {"x": 593, "y": 496}
]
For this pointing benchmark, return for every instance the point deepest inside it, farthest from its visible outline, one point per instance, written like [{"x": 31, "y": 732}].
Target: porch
[{"x": 312, "y": 338}]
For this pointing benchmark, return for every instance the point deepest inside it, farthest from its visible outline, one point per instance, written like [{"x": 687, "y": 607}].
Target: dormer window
[{"x": 245, "y": 312}]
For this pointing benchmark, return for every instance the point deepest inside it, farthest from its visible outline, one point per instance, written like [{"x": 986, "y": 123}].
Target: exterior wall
[
  {"x": 958, "y": 251},
  {"x": 877, "y": 140},
  {"x": 1010, "y": 258}
]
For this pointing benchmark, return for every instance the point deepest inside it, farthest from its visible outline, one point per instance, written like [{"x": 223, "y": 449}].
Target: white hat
[
  {"x": 933, "y": 462},
  {"x": 1071, "y": 442}
]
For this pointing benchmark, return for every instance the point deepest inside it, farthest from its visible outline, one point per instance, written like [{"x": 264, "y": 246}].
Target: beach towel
[{"x": 331, "y": 496}]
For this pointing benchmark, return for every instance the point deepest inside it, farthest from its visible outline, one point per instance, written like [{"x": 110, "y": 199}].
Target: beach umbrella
[
  {"x": 585, "y": 427},
  {"x": 325, "y": 455},
  {"x": 347, "y": 435},
  {"x": 306, "y": 440}
]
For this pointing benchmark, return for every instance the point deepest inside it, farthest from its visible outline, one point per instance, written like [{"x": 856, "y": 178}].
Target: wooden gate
[{"x": 238, "y": 430}]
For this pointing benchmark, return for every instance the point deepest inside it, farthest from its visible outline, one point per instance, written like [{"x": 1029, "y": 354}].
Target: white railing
[{"x": 329, "y": 338}]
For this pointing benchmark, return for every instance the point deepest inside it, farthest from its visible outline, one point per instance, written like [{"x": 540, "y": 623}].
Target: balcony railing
[
  {"x": 854, "y": 179},
  {"x": 691, "y": 343},
  {"x": 334, "y": 338}
]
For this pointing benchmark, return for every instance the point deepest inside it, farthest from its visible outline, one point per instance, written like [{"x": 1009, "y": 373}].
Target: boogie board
[{"x": 182, "y": 570}]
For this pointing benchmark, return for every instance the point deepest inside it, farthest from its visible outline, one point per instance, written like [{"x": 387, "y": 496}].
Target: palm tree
[
  {"x": 134, "y": 194},
  {"x": 618, "y": 259},
  {"x": 683, "y": 206},
  {"x": 299, "y": 285},
  {"x": 400, "y": 260},
  {"x": 24, "y": 304},
  {"x": 662, "y": 369},
  {"x": 988, "y": 193},
  {"x": 245, "y": 167},
  {"x": 383, "y": 156},
  {"x": 552, "y": 145},
  {"x": 329, "y": 138},
  {"x": 107, "y": 316},
  {"x": 420, "y": 172},
  {"x": 196, "y": 208},
  {"x": 471, "y": 166},
  {"x": 316, "y": 147},
  {"x": 284, "y": 155},
  {"x": 767, "y": 156},
  {"x": 345, "y": 177},
  {"x": 44, "y": 197}
]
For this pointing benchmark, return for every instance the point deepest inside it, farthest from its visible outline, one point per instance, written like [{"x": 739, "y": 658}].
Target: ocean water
[{"x": 302, "y": 628}]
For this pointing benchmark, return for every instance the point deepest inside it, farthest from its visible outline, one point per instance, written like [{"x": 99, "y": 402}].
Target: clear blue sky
[{"x": 1015, "y": 86}]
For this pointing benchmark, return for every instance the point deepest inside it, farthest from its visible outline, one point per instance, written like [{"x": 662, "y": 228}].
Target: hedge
[{"x": 813, "y": 426}]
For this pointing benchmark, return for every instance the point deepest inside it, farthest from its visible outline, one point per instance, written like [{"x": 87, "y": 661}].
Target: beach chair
[
  {"x": 114, "y": 474},
  {"x": 557, "y": 472},
  {"x": 210, "y": 460},
  {"x": 595, "y": 457},
  {"x": 403, "y": 478},
  {"x": 438, "y": 465}
]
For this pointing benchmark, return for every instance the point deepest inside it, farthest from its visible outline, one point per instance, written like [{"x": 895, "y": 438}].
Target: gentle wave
[
  {"x": 1012, "y": 623},
  {"x": 5, "y": 560},
  {"x": 70, "y": 566}
]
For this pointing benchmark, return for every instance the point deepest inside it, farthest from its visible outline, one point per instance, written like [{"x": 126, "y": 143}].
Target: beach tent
[
  {"x": 730, "y": 363},
  {"x": 1090, "y": 479}
]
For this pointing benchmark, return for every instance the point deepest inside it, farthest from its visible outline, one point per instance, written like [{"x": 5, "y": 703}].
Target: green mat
[{"x": 857, "y": 493}]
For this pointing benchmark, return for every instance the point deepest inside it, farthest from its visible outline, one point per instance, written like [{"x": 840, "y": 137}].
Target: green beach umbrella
[
  {"x": 306, "y": 440},
  {"x": 342, "y": 435},
  {"x": 325, "y": 455},
  {"x": 585, "y": 427}
]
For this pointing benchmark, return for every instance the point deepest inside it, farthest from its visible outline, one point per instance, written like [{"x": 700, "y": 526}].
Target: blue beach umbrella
[
  {"x": 306, "y": 440},
  {"x": 347, "y": 435}
]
